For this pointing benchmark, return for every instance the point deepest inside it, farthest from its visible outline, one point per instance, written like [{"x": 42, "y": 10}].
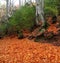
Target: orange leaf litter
[{"x": 13, "y": 50}]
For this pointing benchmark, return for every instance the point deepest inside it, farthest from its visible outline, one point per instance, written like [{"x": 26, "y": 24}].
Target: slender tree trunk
[
  {"x": 39, "y": 11},
  {"x": 10, "y": 9},
  {"x": 42, "y": 6},
  {"x": 25, "y": 1},
  {"x": 19, "y": 3},
  {"x": 7, "y": 8}
]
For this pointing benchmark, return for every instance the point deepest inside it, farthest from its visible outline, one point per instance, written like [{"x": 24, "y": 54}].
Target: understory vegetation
[{"x": 24, "y": 19}]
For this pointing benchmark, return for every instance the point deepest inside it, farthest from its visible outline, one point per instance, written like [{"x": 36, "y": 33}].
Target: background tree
[
  {"x": 19, "y": 3},
  {"x": 7, "y": 8}
]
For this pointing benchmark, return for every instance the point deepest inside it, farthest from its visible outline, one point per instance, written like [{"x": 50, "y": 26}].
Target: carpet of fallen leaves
[{"x": 13, "y": 50}]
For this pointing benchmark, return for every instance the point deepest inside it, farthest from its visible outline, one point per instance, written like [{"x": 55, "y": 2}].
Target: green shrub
[
  {"x": 2, "y": 30},
  {"x": 50, "y": 11},
  {"x": 24, "y": 18},
  {"x": 11, "y": 30}
]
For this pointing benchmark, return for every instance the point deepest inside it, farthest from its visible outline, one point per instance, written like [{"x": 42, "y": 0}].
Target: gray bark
[
  {"x": 19, "y": 3},
  {"x": 39, "y": 11},
  {"x": 7, "y": 8},
  {"x": 25, "y": 1}
]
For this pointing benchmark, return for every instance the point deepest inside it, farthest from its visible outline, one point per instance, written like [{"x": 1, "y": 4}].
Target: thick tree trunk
[{"x": 39, "y": 11}]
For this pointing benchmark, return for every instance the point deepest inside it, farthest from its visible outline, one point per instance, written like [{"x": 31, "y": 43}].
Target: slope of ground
[{"x": 13, "y": 50}]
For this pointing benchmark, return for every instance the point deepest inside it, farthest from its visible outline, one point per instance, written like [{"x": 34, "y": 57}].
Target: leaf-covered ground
[{"x": 13, "y": 50}]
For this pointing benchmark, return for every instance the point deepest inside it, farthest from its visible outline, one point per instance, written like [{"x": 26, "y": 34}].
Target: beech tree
[{"x": 40, "y": 11}]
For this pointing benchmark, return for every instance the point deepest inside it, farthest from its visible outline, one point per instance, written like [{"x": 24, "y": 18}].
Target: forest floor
[{"x": 13, "y": 50}]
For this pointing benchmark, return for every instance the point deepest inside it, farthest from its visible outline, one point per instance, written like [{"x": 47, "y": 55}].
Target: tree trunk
[
  {"x": 39, "y": 11},
  {"x": 7, "y": 8},
  {"x": 19, "y": 3}
]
